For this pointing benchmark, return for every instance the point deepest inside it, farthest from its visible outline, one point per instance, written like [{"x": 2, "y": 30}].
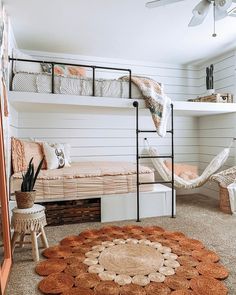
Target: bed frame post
[
  {"x": 130, "y": 84},
  {"x": 172, "y": 160},
  {"x": 53, "y": 76},
  {"x": 93, "y": 81},
  {"x": 136, "y": 105}
]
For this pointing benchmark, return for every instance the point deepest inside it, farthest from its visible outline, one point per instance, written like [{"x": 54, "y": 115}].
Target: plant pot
[
  {"x": 210, "y": 91},
  {"x": 25, "y": 200}
]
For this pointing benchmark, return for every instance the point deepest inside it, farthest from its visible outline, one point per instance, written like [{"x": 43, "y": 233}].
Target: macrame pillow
[
  {"x": 55, "y": 155},
  {"x": 23, "y": 151}
]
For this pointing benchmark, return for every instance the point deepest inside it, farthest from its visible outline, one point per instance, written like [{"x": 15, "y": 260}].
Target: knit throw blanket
[{"x": 155, "y": 99}]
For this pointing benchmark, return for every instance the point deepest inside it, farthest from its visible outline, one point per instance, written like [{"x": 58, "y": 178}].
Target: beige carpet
[{"x": 197, "y": 216}]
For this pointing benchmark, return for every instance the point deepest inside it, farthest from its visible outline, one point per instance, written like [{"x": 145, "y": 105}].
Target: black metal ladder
[{"x": 138, "y": 157}]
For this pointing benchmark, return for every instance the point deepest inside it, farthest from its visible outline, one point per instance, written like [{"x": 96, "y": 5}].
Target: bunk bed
[{"x": 117, "y": 203}]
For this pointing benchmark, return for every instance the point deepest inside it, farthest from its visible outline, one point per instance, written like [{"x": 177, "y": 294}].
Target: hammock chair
[{"x": 179, "y": 182}]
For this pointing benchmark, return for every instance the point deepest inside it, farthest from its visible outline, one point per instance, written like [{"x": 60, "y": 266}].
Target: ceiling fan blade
[
  {"x": 200, "y": 13},
  {"x": 232, "y": 12},
  {"x": 196, "y": 21},
  {"x": 158, "y": 3},
  {"x": 220, "y": 14},
  {"x": 223, "y": 5}
]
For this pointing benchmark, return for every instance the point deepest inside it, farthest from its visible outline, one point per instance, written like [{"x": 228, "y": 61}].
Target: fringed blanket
[{"x": 155, "y": 99}]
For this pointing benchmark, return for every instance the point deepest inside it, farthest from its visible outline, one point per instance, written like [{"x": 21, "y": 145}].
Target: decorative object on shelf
[
  {"x": 130, "y": 260},
  {"x": 210, "y": 79},
  {"x": 217, "y": 98},
  {"x": 26, "y": 196},
  {"x": 29, "y": 221}
]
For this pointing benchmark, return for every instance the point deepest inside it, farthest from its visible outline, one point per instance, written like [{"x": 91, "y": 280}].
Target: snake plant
[{"x": 30, "y": 177}]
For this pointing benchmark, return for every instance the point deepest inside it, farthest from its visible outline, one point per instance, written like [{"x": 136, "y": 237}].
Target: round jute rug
[{"x": 131, "y": 260}]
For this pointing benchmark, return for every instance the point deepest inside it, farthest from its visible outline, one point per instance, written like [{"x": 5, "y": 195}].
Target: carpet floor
[{"x": 197, "y": 216}]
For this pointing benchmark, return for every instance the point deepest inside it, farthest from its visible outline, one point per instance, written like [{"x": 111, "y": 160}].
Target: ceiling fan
[{"x": 200, "y": 11}]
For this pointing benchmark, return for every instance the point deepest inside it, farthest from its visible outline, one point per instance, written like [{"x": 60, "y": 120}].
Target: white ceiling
[{"x": 118, "y": 28}]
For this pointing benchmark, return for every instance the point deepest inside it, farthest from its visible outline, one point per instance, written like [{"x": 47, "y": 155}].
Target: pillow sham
[
  {"x": 69, "y": 71},
  {"x": 55, "y": 156},
  {"x": 23, "y": 151},
  {"x": 26, "y": 67}
]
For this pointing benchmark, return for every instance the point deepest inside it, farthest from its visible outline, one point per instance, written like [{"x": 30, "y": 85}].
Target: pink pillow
[
  {"x": 188, "y": 175},
  {"x": 23, "y": 151},
  {"x": 69, "y": 71},
  {"x": 182, "y": 168}
]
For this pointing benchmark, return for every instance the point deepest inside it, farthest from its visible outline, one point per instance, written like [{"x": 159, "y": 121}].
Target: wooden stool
[{"x": 29, "y": 221}]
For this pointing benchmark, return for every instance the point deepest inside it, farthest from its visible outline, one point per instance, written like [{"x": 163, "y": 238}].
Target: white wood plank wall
[
  {"x": 216, "y": 132},
  {"x": 109, "y": 134}
]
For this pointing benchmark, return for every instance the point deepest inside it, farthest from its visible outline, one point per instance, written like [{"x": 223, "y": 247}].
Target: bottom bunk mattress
[{"x": 87, "y": 179}]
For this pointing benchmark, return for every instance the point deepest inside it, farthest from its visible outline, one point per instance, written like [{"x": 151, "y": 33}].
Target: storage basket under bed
[{"x": 76, "y": 211}]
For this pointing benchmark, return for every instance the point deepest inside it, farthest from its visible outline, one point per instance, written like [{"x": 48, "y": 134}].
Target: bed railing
[{"x": 52, "y": 63}]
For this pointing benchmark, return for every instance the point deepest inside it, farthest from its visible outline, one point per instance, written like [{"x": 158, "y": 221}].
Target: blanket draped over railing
[{"x": 158, "y": 103}]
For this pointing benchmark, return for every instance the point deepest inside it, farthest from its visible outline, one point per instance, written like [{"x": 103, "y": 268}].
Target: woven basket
[
  {"x": 224, "y": 200},
  {"x": 25, "y": 200}
]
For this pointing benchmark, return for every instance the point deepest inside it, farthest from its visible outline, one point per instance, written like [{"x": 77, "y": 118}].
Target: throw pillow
[
  {"x": 46, "y": 68},
  {"x": 69, "y": 71},
  {"x": 23, "y": 151},
  {"x": 55, "y": 156},
  {"x": 26, "y": 67}
]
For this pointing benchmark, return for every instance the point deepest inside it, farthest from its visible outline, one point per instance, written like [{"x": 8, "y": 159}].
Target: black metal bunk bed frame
[
  {"x": 138, "y": 131},
  {"x": 94, "y": 68}
]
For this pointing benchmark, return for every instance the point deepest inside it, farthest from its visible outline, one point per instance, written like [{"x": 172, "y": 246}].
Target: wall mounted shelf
[{"x": 41, "y": 102}]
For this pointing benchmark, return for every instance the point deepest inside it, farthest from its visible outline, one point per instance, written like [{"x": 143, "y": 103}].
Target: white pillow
[
  {"x": 55, "y": 156},
  {"x": 26, "y": 67},
  {"x": 67, "y": 147}
]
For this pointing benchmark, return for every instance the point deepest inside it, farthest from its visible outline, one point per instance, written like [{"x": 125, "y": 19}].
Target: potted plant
[{"x": 26, "y": 196}]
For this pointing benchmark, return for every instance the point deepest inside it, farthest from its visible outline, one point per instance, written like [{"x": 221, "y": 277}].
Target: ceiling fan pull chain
[{"x": 214, "y": 16}]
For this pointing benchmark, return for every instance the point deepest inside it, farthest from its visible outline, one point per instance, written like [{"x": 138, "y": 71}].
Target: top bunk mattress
[
  {"x": 87, "y": 179},
  {"x": 42, "y": 83}
]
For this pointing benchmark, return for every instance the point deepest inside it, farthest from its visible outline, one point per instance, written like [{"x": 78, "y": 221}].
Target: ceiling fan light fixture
[
  {"x": 220, "y": 14},
  {"x": 223, "y": 4}
]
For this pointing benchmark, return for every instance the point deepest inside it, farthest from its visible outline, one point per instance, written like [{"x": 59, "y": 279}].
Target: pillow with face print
[{"x": 55, "y": 156}]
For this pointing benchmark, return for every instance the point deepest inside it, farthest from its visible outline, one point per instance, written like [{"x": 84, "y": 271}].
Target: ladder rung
[
  {"x": 152, "y": 131},
  {"x": 155, "y": 182},
  {"x": 154, "y": 157}
]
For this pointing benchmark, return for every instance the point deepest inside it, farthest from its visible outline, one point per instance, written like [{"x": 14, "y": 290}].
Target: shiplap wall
[
  {"x": 216, "y": 132},
  {"x": 108, "y": 133}
]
